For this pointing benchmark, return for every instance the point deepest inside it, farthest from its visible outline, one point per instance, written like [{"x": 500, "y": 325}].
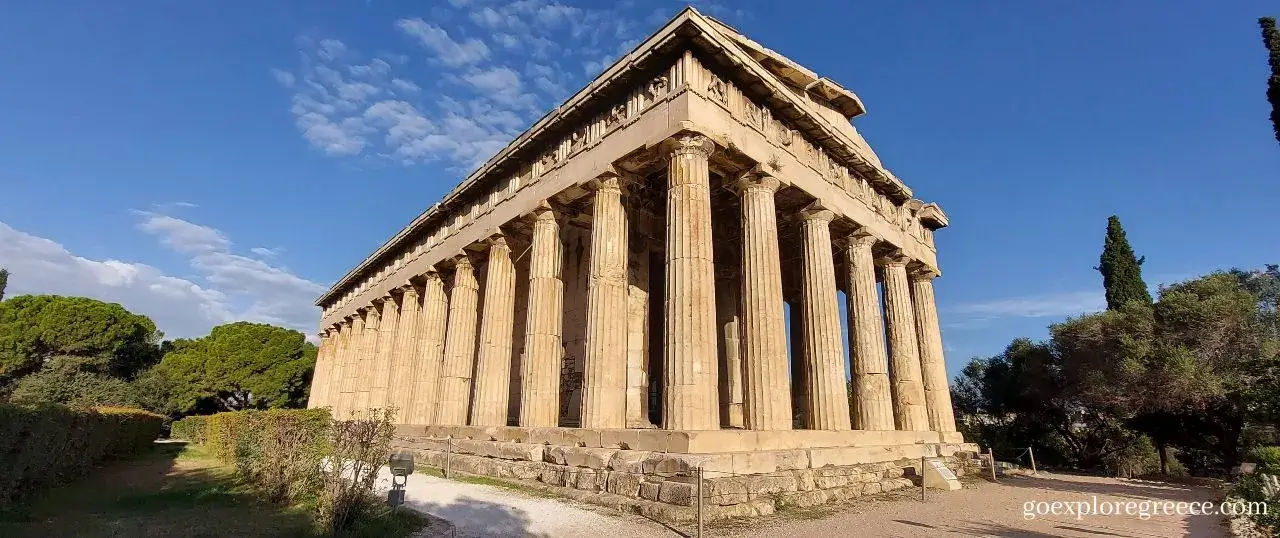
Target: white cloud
[
  {"x": 285, "y": 78},
  {"x": 450, "y": 52},
  {"x": 254, "y": 289},
  {"x": 1035, "y": 306},
  {"x": 468, "y": 97},
  {"x": 265, "y": 252},
  {"x": 180, "y": 307}
]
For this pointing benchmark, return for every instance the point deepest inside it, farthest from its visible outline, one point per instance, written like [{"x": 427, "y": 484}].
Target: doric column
[
  {"x": 404, "y": 367},
  {"x": 689, "y": 365},
  {"x": 728, "y": 323},
  {"x": 320, "y": 372},
  {"x": 459, "y": 346},
  {"x": 908, "y": 391},
  {"x": 937, "y": 394},
  {"x": 828, "y": 405},
  {"x": 493, "y": 362},
  {"x": 540, "y": 368},
  {"x": 430, "y": 355},
  {"x": 386, "y": 352},
  {"x": 604, "y": 375},
  {"x": 339, "y": 389},
  {"x": 364, "y": 363},
  {"x": 767, "y": 390},
  {"x": 872, "y": 398}
]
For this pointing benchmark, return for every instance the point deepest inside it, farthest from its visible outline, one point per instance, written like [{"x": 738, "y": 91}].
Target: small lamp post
[{"x": 401, "y": 464}]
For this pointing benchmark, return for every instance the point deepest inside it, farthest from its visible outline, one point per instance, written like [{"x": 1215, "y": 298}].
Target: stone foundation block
[
  {"x": 805, "y": 480},
  {"x": 676, "y": 493},
  {"x": 628, "y": 461},
  {"x": 650, "y": 490},
  {"x": 804, "y": 499},
  {"x": 552, "y": 475},
  {"x": 771, "y": 484},
  {"x": 622, "y": 483},
  {"x": 790, "y": 460}
]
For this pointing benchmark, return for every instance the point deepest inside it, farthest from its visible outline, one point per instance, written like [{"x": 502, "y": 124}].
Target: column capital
[
  {"x": 862, "y": 238},
  {"x": 346, "y": 322},
  {"x": 431, "y": 275},
  {"x": 544, "y": 211},
  {"x": 689, "y": 143},
  {"x": 895, "y": 258},
  {"x": 408, "y": 290},
  {"x": 816, "y": 211},
  {"x": 609, "y": 181},
  {"x": 497, "y": 239},
  {"x": 755, "y": 178},
  {"x": 919, "y": 272},
  {"x": 462, "y": 260}
]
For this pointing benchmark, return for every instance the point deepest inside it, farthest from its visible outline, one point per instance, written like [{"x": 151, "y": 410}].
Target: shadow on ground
[
  {"x": 156, "y": 494},
  {"x": 476, "y": 518}
]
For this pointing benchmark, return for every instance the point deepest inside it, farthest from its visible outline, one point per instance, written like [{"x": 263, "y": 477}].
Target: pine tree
[
  {"x": 1271, "y": 38},
  {"x": 1121, "y": 269},
  {"x": 4, "y": 281}
]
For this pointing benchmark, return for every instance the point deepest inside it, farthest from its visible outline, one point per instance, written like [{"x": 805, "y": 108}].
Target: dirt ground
[{"x": 987, "y": 509}]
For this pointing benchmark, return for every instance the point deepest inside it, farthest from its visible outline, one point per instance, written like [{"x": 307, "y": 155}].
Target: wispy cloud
[
  {"x": 1036, "y": 306},
  {"x": 472, "y": 76},
  {"x": 983, "y": 314}
]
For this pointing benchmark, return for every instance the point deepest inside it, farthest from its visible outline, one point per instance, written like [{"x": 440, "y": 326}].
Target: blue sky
[{"x": 204, "y": 162}]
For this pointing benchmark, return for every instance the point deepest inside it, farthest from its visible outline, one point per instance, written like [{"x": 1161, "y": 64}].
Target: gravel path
[
  {"x": 980, "y": 509},
  {"x": 480, "y": 511},
  {"x": 986, "y": 509}
]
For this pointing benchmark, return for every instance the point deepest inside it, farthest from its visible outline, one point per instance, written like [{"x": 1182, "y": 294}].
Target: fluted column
[
  {"x": 767, "y": 390},
  {"x": 339, "y": 390},
  {"x": 459, "y": 346},
  {"x": 828, "y": 405},
  {"x": 493, "y": 362},
  {"x": 689, "y": 365},
  {"x": 430, "y": 353},
  {"x": 872, "y": 398},
  {"x": 937, "y": 394},
  {"x": 908, "y": 391},
  {"x": 604, "y": 374},
  {"x": 386, "y": 350},
  {"x": 404, "y": 366},
  {"x": 319, "y": 372},
  {"x": 540, "y": 368},
  {"x": 364, "y": 361},
  {"x": 728, "y": 323}
]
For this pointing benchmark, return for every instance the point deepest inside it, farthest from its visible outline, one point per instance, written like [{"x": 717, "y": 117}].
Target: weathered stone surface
[
  {"x": 771, "y": 484},
  {"x": 623, "y": 483},
  {"x": 552, "y": 475},
  {"x": 595, "y": 458},
  {"x": 730, "y": 490},
  {"x": 676, "y": 493},
  {"x": 805, "y": 480},
  {"x": 804, "y": 499},
  {"x": 754, "y": 462},
  {"x": 630, "y": 461},
  {"x": 787, "y": 460},
  {"x": 650, "y": 490},
  {"x": 871, "y": 488}
]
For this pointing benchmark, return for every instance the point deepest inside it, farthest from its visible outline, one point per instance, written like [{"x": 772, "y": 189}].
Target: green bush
[
  {"x": 1267, "y": 458},
  {"x": 191, "y": 429},
  {"x": 45, "y": 445},
  {"x": 302, "y": 457}
]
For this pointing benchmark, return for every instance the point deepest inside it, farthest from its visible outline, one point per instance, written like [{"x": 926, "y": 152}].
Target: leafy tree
[
  {"x": 4, "y": 281},
  {"x": 68, "y": 380},
  {"x": 238, "y": 366},
  {"x": 1193, "y": 371},
  {"x": 1121, "y": 269},
  {"x": 36, "y": 328},
  {"x": 1271, "y": 38}
]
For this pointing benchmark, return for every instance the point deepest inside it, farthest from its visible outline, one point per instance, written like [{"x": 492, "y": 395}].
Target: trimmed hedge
[
  {"x": 45, "y": 445},
  {"x": 190, "y": 428}
]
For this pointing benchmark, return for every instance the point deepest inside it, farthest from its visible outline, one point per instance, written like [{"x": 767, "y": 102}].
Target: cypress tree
[
  {"x": 1121, "y": 269},
  {"x": 4, "y": 281},
  {"x": 1271, "y": 38}
]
